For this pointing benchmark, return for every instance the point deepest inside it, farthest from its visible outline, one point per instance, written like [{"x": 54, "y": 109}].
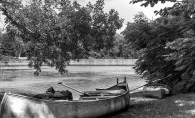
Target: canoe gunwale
[
  {"x": 3, "y": 101},
  {"x": 60, "y": 101},
  {"x": 78, "y": 108}
]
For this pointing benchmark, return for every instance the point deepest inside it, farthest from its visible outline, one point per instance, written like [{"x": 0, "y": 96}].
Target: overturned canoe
[{"x": 92, "y": 104}]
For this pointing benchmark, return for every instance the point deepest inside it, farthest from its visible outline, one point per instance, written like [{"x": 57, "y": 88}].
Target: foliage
[
  {"x": 183, "y": 55},
  {"x": 167, "y": 44},
  {"x": 56, "y": 31},
  {"x": 150, "y": 2},
  {"x": 151, "y": 38},
  {"x": 10, "y": 44},
  {"x": 104, "y": 26}
]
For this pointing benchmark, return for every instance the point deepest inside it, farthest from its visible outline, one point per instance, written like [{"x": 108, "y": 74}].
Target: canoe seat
[
  {"x": 62, "y": 100},
  {"x": 105, "y": 92},
  {"x": 96, "y": 97},
  {"x": 89, "y": 98}
]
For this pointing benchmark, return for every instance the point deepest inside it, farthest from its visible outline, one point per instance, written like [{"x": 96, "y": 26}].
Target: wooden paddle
[
  {"x": 72, "y": 88},
  {"x": 150, "y": 83}
]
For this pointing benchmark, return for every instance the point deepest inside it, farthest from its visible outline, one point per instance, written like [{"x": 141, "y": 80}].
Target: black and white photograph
[{"x": 97, "y": 58}]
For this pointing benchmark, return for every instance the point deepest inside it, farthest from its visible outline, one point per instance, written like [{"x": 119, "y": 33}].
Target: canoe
[
  {"x": 156, "y": 91},
  {"x": 92, "y": 104}
]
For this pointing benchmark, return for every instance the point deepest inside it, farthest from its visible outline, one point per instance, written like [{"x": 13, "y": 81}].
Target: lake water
[{"x": 103, "y": 69}]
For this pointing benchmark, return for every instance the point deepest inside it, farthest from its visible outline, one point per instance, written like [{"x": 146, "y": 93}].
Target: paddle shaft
[
  {"x": 149, "y": 83},
  {"x": 72, "y": 88}
]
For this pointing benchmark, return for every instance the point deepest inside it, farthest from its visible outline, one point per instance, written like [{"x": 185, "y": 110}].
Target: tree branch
[{"x": 13, "y": 22}]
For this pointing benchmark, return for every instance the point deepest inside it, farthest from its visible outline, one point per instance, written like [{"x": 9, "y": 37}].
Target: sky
[{"x": 126, "y": 10}]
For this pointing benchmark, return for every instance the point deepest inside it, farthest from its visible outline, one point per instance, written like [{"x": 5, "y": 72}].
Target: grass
[
  {"x": 82, "y": 78},
  {"x": 177, "y": 106}
]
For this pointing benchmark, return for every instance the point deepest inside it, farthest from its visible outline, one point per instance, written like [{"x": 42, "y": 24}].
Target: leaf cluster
[{"x": 150, "y": 2}]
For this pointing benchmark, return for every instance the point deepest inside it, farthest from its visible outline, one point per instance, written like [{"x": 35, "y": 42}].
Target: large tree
[
  {"x": 55, "y": 31},
  {"x": 167, "y": 45},
  {"x": 104, "y": 27},
  {"x": 11, "y": 45}
]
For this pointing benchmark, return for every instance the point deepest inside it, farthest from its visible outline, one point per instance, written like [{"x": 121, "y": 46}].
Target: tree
[
  {"x": 51, "y": 37},
  {"x": 122, "y": 49},
  {"x": 150, "y": 38},
  {"x": 168, "y": 50},
  {"x": 150, "y": 2},
  {"x": 11, "y": 45},
  {"x": 7, "y": 46},
  {"x": 56, "y": 31},
  {"x": 104, "y": 27},
  {"x": 140, "y": 18}
]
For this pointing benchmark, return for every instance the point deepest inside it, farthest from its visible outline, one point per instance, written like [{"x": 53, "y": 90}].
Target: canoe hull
[{"x": 18, "y": 106}]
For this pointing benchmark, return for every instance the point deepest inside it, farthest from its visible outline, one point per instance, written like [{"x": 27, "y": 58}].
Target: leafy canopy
[
  {"x": 55, "y": 31},
  {"x": 167, "y": 45}
]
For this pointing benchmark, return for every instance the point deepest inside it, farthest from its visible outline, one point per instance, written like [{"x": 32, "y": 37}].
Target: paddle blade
[{"x": 60, "y": 83}]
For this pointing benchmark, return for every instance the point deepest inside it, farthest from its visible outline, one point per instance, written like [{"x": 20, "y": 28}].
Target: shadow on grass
[{"x": 177, "y": 106}]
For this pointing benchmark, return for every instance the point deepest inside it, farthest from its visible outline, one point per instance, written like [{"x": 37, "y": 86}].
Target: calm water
[{"x": 103, "y": 69}]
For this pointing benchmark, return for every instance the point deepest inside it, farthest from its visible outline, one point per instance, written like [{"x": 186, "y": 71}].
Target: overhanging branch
[{"x": 15, "y": 23}]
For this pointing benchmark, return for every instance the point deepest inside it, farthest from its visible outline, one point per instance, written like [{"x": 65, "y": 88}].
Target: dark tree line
[{"x": 15, "y": 47}]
